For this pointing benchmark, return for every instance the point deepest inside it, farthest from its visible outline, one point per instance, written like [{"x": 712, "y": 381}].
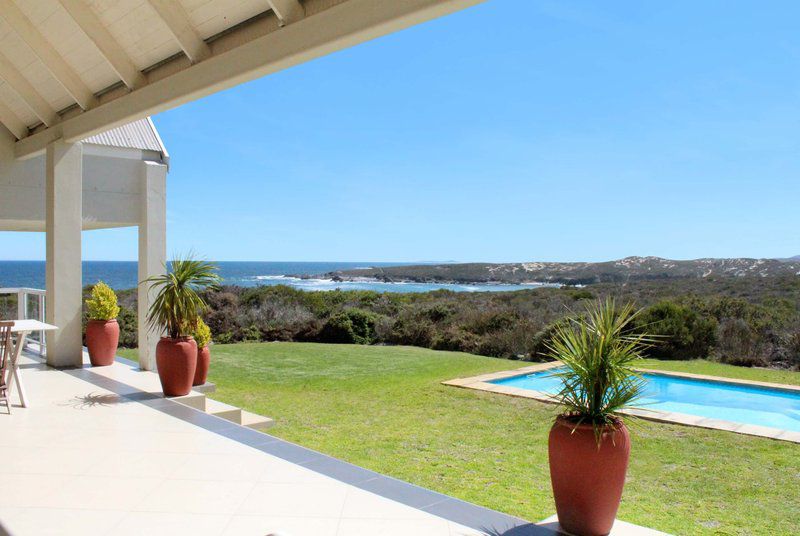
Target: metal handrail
[{"x": 22, "y": 307}]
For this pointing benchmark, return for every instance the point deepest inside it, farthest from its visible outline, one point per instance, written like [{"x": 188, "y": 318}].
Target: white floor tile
[
  {"x": 394, "y": 527},
  {"x": 196, "y": 496},
  {"x": 260, "y": 525},
  {"x": 170, "y": 524},
  {"x": 290, "y": 500},
  {"x": 55, "y": 522}
]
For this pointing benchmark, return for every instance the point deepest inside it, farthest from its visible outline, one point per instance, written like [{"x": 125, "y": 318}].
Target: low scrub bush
[
  {"x": 679, "y": 332},
  {"x": 352, "y": 326},
  {"x": 745, "y": 321}
]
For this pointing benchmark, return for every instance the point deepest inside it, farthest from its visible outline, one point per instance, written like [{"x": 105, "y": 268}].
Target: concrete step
[
  {"x": 194, "y": 400},
  {"x": 226, "y": 411},
  {"x": 198, "y": 400},
  {"x": 206, "y": 388},
  {"x": 256, "y": 422}
]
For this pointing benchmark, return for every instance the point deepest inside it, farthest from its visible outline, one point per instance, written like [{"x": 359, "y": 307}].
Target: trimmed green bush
[
  {"x": 103, "y": 303},
  {"x": 201, "y": 333}
]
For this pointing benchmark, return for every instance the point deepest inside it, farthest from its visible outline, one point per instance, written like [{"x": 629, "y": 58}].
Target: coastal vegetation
[
  {"x": 750, "y": 321},
  {"x": 743, "y": 320},
  {"x": 384, "y": 408}
]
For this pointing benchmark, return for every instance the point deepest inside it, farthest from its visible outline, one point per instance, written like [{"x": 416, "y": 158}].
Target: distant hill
[
  {"x": 578, "y": 273},
  {"x": 796, "y": 258}
]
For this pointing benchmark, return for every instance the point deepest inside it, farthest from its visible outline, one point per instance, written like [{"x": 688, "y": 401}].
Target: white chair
[{"x": 6, "y": 354}]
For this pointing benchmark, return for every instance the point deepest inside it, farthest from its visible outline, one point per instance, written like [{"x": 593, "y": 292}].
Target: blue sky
[{"x": 515, "y": 130}]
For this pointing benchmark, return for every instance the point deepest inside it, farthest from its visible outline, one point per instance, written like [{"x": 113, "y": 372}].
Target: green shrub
[
  {"x": 412, "y": 331},
  {"x": 679, "y": 332},
  {"x": 128, "y": 336},
  {"x": 739, "y": 344},
  {"x": 103, "y": 303},
  {"x": 351, "y": 326},
  {"x": 201, "y": 333},
  {"x": 491, "y": 321},
  {"x": 455, "y": 340}
]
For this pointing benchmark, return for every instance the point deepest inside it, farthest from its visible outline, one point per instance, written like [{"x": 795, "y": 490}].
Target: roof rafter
[
  {"x": 177, "y": 20},
  {"x": 111, "y": 50},
  {"x": 287, "y": 11},
  {"x": 27, "y": 92},
  {"x": 237, "y": 59},
  {"x": 12, "y": 122},
  {"x": 59, "y": 68}
]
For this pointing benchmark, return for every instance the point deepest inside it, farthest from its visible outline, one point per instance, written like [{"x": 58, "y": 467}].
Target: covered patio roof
[{"x": 73, "y": 68}]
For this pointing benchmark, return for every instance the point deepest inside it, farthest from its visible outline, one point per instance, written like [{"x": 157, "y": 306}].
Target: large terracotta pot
[
  {"x": 176, "y": 360},
  {"x": 102, "y": 338},
  {"x": 203, "y": 359},
  {"x": 588, "y": 478}
]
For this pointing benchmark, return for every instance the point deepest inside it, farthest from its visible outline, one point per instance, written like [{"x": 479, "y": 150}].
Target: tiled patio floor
[{"x": 99, "y": 452}]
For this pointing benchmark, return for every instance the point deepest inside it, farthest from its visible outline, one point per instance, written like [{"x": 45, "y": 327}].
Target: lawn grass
[{"x": 384, "y": 408}]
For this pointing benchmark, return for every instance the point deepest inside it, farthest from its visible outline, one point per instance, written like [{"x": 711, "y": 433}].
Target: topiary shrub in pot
[
  {"x": 202, "y": 337},
  {"x": 589, "y": 445},
  {"x": 176, "y": 309},
  {"x": 102, "y": 330}
]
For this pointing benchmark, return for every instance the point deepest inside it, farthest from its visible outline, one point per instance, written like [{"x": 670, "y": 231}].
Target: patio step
[
  {"x": 256, "y": 422},
  {"x": 199, "y": 400},
  {"x": 226, "y": 411},
  {"x": 194, "y": 399}
]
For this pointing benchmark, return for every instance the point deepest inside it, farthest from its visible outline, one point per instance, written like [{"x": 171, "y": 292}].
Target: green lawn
[{"x": 384, "y": 408}]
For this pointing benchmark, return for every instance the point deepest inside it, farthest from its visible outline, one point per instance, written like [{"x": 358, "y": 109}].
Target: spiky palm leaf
[
  {"x": 178, "y": 304},
  {"x": 599, "y": 350}
]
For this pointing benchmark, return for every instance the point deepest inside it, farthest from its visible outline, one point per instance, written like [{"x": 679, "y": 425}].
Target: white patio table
[{"x": 22, "y": 328}]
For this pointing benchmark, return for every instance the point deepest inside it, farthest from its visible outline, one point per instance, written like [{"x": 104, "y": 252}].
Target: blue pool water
[{"x": 716, "y": 400}]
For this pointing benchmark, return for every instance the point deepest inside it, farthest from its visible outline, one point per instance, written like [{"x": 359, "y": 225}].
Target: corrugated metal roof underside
[{"x": 141, "y": 134}]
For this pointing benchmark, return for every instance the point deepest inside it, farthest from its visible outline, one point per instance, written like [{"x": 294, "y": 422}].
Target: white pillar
[
  {"x": 152, "y": 251},
  {"x": 64, "y": 198}
]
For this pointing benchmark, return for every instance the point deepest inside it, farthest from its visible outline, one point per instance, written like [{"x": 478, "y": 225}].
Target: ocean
[{"x": 122, "y": 275}]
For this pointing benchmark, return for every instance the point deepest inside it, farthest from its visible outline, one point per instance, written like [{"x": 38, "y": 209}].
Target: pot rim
[
  {"x": 178, "y": 339},
  {"x": 564, "y": 420},
  {"x": 102, "y": 321}
]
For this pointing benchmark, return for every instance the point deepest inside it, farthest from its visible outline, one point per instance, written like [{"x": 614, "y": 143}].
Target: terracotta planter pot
[
  {"x": 102, "y": 338},
  {"x": 587, "y": 478},
  {"x": 176, "y": 360},
  {"x": 203, "y": 359}
]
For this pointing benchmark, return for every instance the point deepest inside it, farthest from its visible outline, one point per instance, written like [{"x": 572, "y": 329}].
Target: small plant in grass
[
  {"x": 103, "y": 303},
  {"x": 589, "y": 445}
]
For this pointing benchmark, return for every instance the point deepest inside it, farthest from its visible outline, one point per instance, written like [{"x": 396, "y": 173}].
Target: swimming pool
[{"x": 746, "y": 404}]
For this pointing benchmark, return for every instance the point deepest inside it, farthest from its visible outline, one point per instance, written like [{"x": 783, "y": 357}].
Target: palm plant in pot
[
  {"x": 176, "y": 308},
  {"x": 589, "y": 444},
  {"x": 102, "y": 330}
]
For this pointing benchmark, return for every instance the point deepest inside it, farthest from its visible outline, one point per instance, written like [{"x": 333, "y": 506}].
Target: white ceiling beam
[
  {"x": 341, "y": 26},
  {"x": 111, "y": 50},
  {"x": 17, "y": 81},
  {"x": 12, "y": 122},
  {"x": 287, "y": 11},
  {"x": 177, "y": 20},
  {"x": 59, "y": 68}
]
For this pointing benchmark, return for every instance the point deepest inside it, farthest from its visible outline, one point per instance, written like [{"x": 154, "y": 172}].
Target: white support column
[
  {"x": 64, "y": 212},
  {"x": 152, "y": 251}
]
